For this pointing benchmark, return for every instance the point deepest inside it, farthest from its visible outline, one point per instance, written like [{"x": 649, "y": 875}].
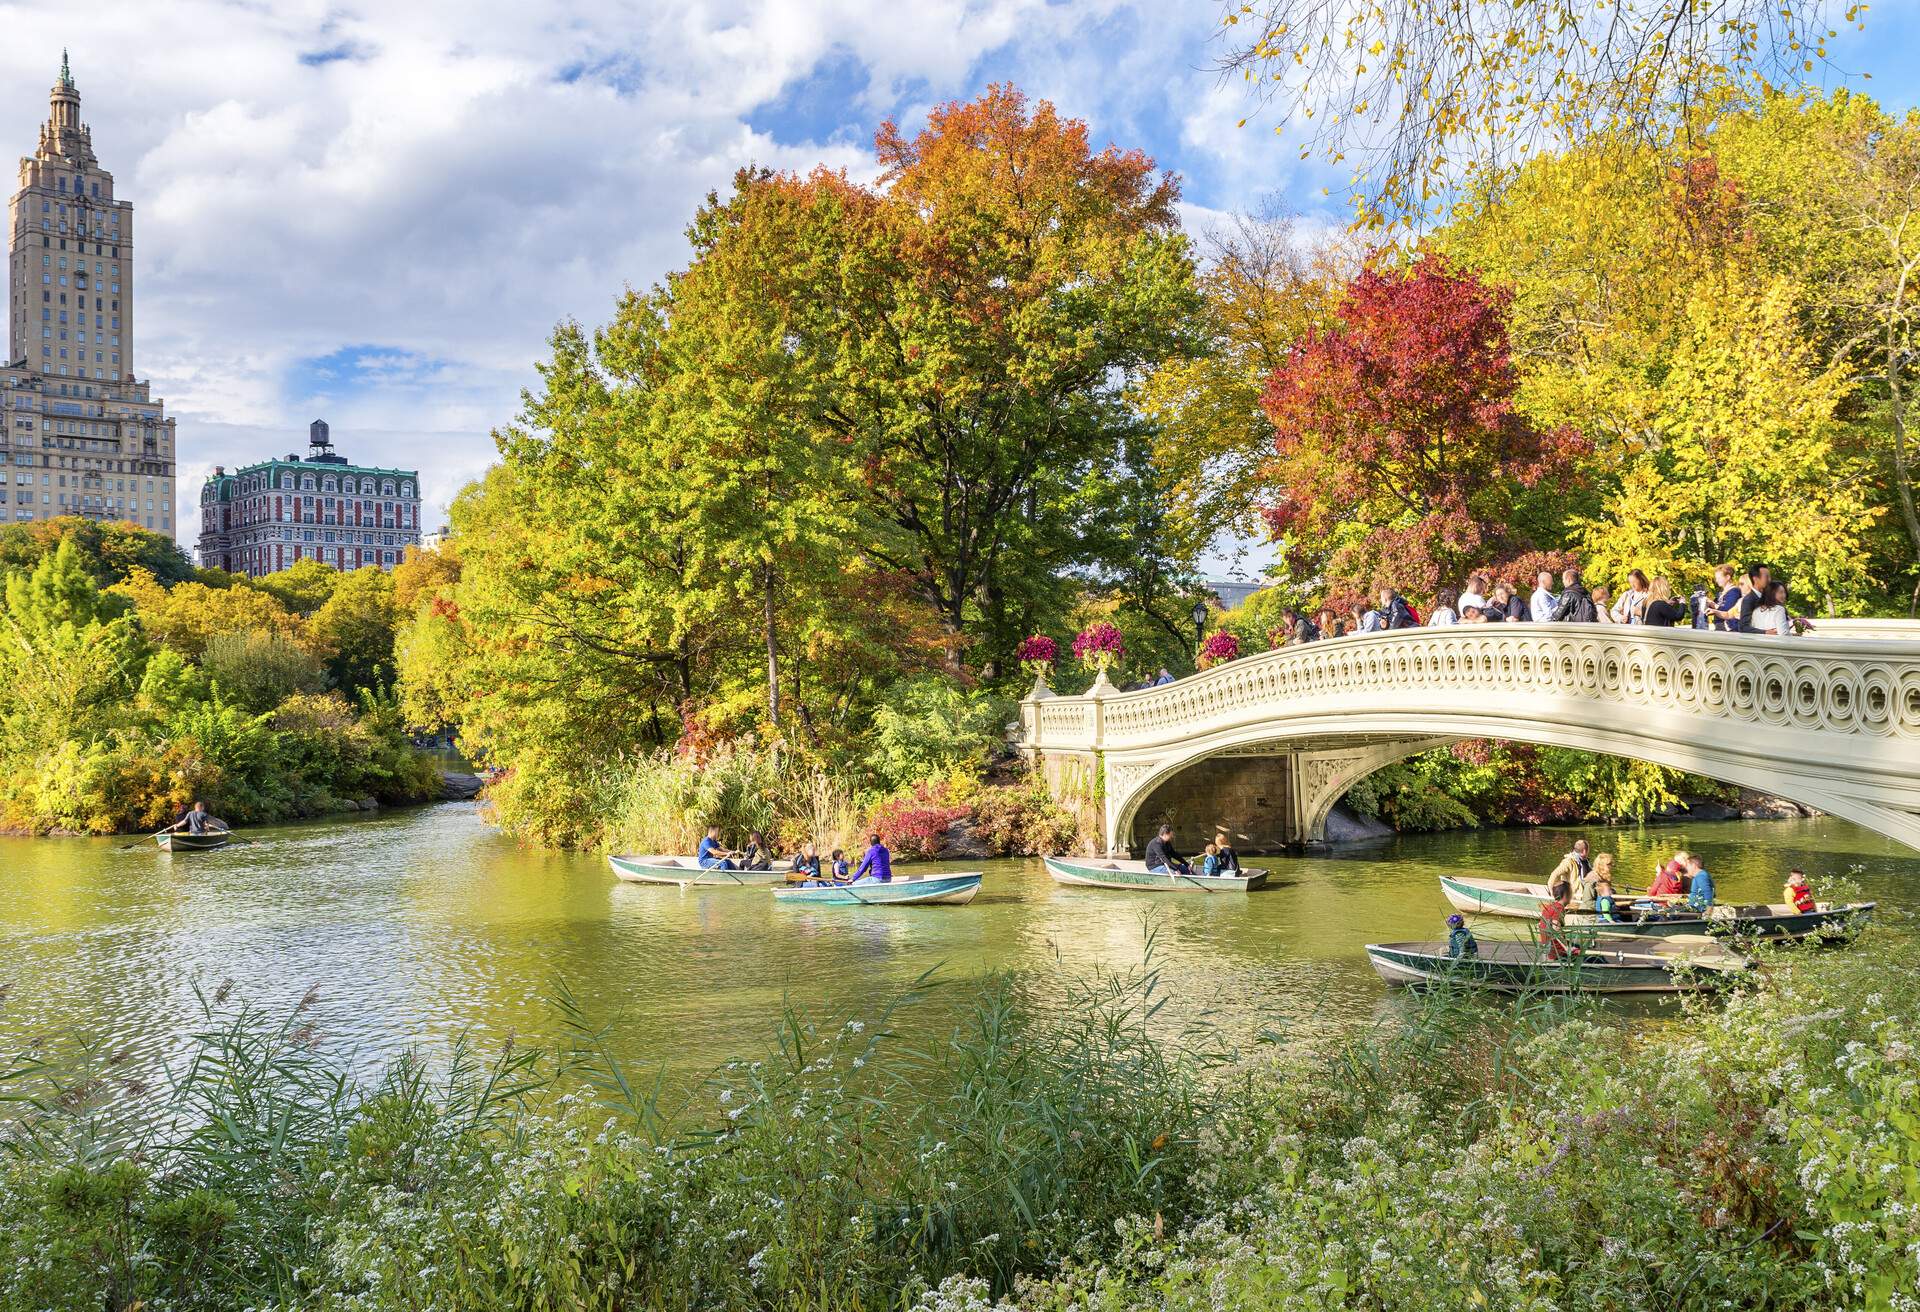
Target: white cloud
[{"x": 436, "y": 184}]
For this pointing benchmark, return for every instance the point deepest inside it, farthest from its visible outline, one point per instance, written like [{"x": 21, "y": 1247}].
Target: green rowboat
[
  {"x": 900, "y": 891},
  {"x": 684, "y": 870},
  {"x": 1828, "y": 920},
  {"x": 1095, "y": 873},
  {"x": 185, "y": 842},
  {"x": 1609, "y": 966}
]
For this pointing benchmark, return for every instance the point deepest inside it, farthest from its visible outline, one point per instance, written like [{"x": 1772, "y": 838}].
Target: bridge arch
[{"x": 1832, "y": 722}]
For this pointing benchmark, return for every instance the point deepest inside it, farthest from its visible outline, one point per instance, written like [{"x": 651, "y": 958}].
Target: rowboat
[
  {"x": 900, "y": 891},
  {"x": 1608, "y": 966},
  {"x": 1093, "y": 873},
  {"x": 1759, "y": 920},
  {"x": 684, "y": 870},
  {"x": 186, "y": 842}
]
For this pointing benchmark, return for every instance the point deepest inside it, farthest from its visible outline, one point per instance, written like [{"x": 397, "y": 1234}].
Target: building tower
[{"x": 98, "y": 444}]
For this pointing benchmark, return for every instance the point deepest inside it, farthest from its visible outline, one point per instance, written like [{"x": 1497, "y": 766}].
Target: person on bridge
[
  {"x": 1753, "y": 594},
  {"x": 878, "y": 862},
  {"x": 1161, "y": 858},
  {"x": 1164, "y": 677},
  {"x": 1475, "y": 593},
  {"x": 1540, "y": 605},
  {"x": 1602, "y": 604},
  {"x": 1724, "y": 609},
  {"x": 1632, "y": 606},
  {"x": 1446, "y": 609},
  {"x": 1576, "y": 603},
  {"x": 1505, "y": 606},
  {"x": 713, "y": 854},
  {"x": 1798, "y": 893},
  {"x": 198, "y": 820},
  {"x": 1329, "y": 623},
  {"x": 1299, "y": 628},
  {"x": 1394, "y": 611},
  {"x": 1700, "y": 888},
  {"x": 1461, "y": 944},
  {"x": 1663, "y": 612},
  {"x": 1771, "y": 616}
]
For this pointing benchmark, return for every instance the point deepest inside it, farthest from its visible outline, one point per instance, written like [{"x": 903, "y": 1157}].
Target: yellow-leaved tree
[{"x": 1743, "y": 466}]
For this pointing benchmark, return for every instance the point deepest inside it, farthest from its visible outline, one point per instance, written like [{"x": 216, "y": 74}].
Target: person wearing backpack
[{"x": 1576, "y": 603}]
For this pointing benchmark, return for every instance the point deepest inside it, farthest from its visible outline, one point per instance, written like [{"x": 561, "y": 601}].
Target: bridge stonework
[{"x": 1266, "y": 745}]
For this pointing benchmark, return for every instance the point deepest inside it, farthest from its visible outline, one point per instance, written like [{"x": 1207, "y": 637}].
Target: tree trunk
[{"x": 773, "y": 650}]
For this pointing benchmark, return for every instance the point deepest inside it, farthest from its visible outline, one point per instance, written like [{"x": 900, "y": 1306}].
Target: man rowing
[{"x": 199, "y": 821}]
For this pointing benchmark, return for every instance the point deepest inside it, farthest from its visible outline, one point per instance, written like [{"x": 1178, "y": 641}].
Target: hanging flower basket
[
  {"x": 1037, "y": 655},
  {"x": 1217, "y": 649},
  {"x": 1099, "y": 647}
]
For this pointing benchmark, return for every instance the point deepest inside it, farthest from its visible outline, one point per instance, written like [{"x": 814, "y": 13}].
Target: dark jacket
[
  {"x": 1576, "y": 606},
  {"x": 1396, "y": 615},
  {"x": 1161, "y": 853},
  {"x": 1662, "y": 614}
]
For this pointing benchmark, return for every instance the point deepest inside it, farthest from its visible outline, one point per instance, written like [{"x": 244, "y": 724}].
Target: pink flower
[
  {"x": 1220, "y": 647},
  {"x": 1099, "y": 646},
  {"x": 1038, "y": 650}
]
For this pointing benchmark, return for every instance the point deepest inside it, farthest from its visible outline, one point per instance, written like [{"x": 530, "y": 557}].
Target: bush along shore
[
  {"x": 1758, "y": 1151},
  {"x": 132, "y": 684}
]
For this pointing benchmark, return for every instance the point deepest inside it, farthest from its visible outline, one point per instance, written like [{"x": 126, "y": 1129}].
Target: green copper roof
[{"x": 66, "y": 74}]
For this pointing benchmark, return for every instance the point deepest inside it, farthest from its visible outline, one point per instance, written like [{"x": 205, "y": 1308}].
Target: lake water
[{"x": 415, "y": 925}]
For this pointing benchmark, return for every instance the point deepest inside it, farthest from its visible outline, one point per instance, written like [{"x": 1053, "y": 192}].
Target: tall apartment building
[
  {"x": 318, "y": 507},
  {"x": 79, "y": 434}
]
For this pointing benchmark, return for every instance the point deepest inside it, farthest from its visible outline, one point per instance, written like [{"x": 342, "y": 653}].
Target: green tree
[
  {"x": 255, "y": 671},
  {"x": 109, "y": 551},
  {"x": 354, "y": 628},
  {"x": 302, "y": 587}
]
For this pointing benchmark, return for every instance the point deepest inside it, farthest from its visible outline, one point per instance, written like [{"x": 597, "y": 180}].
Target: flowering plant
[
  {"x": 1037, "y": 655},
  {"x": 1220, "y": 647},
  {"x": 1099, "y": 646}
]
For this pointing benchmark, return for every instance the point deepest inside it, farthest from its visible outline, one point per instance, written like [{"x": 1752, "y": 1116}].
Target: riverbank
[{"x": 1462, "y": 1154}]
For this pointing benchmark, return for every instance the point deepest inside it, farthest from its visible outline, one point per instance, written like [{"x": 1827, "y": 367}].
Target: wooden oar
[{"x": 128, "y": 847}]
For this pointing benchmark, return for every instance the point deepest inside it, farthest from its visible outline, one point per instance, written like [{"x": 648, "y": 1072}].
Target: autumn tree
[
  {"x": 109, "y": 550},
  {"x": 1400, "y": 457},
  {"x": 1010, "y": 284}
]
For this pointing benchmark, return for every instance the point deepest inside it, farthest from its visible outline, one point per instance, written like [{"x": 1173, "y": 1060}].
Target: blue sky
[{"x": 376, "y": 213}]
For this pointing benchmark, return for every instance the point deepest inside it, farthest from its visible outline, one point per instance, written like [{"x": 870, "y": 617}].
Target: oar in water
[{"x": 128, "y": 847}]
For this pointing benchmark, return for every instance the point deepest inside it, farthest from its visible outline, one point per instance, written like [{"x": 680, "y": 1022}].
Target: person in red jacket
[{"x": 1667, "y": 879}]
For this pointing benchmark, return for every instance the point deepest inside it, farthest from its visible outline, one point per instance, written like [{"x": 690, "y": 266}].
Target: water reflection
[{"x": 418, "y": 925}]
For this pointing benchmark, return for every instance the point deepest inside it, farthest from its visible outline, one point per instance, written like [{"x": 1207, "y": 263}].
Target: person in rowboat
[
  {"x": 806, "y": 865},
  {"x": 1460, "y": 940},
  {"x": 1161, "y": 858},
  {"x": 1798, "y": 892},
  {"x": 1574, "y": 865},
  {"x": 1666, "y": 879},
  {"x": 878, "y": 861},
  {"x": 759, "y": 853},
  {"x": 1553, "y": 931},
  {"x": 713, "y": 854},
  {"x": 1700, "y": 888},
  {"x": 841, "y": 872},
  {"x": 198, "y": 821},
  {"x": 1603, "y": 904},
  {"x": 1229, "y": 859},
  {"x": 1586, "y": 885},
  {"x": 1210, "y": 863}
]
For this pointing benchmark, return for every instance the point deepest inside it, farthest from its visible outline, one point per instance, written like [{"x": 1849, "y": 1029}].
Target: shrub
[
  {"x": 915, "y": 824},
  {"x": 258, "y": 670},
  {"x": 1023, "y": 820}
]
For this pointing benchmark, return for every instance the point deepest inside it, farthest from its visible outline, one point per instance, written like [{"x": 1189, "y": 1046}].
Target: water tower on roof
[{"x": 320, "y": 445}]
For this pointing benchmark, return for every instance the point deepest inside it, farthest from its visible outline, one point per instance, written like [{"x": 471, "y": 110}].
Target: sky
[{"x": 375, "y": 213}]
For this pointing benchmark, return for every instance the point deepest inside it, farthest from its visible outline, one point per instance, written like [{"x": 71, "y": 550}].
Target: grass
[{"x": 1060, "y": 1146}]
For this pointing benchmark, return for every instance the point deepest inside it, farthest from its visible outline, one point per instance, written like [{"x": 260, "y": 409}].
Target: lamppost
[{"x": 1199, "y": 625}]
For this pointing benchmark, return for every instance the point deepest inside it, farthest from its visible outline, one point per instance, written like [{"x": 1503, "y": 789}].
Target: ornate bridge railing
[{"x": 1831, "y": 720}]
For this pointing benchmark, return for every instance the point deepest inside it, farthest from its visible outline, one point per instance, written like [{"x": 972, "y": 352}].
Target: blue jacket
[
  {"x": 879, "y": 861},
  {"x": 1700, "y": 892}
]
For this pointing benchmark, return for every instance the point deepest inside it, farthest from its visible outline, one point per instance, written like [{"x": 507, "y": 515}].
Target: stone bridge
[{"x": 1267, "y": 744}]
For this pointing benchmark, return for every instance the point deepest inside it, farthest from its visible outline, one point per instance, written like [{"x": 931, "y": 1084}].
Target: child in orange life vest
[{"x": 1797, "y": 892}]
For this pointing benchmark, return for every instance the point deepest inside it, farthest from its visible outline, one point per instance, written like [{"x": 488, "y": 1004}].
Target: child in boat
[
  {"x": 1210, "y": 864},
  {"x": 1603, "y": 901},
  {"x": 841, "y": 872},
  {"x": 1553, "y": 931},
  {"x": 1798, "y": 892},
  {"x": 1460, "y": 940}
]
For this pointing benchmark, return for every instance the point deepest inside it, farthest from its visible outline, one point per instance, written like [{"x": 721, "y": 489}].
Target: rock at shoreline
[
  {"x": 458, "y": 787},
  {"x": 1345, "y": 828}
]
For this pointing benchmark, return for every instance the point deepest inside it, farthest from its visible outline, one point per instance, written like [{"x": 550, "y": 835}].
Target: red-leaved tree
[{"x": 1401, "y": 460}]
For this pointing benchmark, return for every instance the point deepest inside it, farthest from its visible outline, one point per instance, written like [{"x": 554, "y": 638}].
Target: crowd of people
[
  {"x": 1681, "y": 887},
  {"x": 1746, "y": 600}
]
